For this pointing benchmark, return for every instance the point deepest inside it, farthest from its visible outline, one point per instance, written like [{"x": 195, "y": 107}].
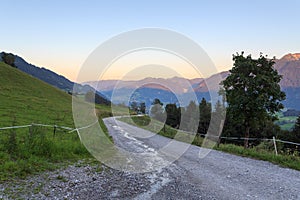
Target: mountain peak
[{"x": 291, "y": 57}]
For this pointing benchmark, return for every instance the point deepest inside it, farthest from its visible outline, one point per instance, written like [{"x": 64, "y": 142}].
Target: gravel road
[{"x": 217, "y": 176}]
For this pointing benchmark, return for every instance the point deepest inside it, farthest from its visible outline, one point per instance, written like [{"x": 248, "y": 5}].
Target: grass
[
  {"x": 260, "y": 152},
  {"x": 280, "y": 159},
  {"x": 287, "y": 126},
  {"x": 286, "y": 123},
  {"x": 26, "y": 100}
]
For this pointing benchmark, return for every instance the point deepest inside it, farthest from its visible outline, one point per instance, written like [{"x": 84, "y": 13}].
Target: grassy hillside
[
  {"x": 286, "y": 123},
  {"x": 28, "y": 100},
  {"x": 25, "y": 100}
]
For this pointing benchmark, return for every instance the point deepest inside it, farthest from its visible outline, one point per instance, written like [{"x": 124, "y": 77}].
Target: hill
[
  {"x": 25, "y": 100},
  {"x": 48, "y": 76},
  {"x": 28, "y": 100}
]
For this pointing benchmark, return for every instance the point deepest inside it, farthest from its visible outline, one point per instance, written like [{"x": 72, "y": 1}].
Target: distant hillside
[{"x": 48, "y": 76}]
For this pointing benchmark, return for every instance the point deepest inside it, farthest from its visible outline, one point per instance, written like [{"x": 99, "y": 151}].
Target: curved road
[{"x": 217, "y": 176}]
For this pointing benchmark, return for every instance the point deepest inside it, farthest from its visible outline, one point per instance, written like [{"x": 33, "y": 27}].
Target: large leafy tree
[{"x": 252, "y": 91}]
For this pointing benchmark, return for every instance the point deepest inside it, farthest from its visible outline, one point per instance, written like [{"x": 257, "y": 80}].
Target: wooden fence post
[{"x": 274, "y": 141}]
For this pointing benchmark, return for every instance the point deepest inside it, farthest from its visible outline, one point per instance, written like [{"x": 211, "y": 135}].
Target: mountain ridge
[
  {"x": 291, "y": 57},
  {"x": 288, "y": 66}
]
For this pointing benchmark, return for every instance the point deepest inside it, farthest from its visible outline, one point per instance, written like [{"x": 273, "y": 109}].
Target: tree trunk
[{"x": 246, "y": 141}]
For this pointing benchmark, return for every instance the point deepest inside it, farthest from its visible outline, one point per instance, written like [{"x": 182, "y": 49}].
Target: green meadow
[{"x": 25, "y": 100}]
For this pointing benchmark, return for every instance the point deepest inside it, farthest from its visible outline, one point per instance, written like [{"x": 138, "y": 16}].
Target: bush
[
  {"x": 38, "y": 143},
  {"x": 11, "y": 144},
  {"x": 9, "y": 59}
]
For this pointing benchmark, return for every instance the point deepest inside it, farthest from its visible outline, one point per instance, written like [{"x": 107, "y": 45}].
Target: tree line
[{"x": 183, "y": 118}]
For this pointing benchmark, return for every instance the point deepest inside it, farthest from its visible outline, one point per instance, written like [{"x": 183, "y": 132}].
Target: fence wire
[{"x": 90, "y": 125}]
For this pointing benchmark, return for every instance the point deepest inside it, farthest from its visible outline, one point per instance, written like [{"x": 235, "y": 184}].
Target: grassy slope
[
  {"x": 28, "y": 100},
  {"x": 25, "y": 100},
  {"x": 286, "y": 123}
]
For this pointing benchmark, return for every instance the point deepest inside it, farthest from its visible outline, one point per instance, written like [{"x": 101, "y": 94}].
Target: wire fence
[
  {"x": 254, "y": 139},
  {"x": 273, "y": 140},
  {"x": 42, "y": 125},
  {"x": 71, "y": 130}
]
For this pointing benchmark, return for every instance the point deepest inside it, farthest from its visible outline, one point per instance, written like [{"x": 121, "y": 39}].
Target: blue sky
[{"x": 60, "y": 35}]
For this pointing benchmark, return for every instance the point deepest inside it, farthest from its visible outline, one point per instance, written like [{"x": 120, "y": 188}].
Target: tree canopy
[
  {"x": 173, "y": 115},
  {"x": 252, "y": 90},
  {"x": 9, "y": 59}
]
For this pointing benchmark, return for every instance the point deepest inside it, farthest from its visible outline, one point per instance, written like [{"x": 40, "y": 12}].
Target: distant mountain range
[
  {"x": 169, "y": 90},
  {"x": 149, "y": 88}
]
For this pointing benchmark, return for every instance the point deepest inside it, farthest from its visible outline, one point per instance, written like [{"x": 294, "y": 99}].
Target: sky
[{"x": 60, "y": 35}]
